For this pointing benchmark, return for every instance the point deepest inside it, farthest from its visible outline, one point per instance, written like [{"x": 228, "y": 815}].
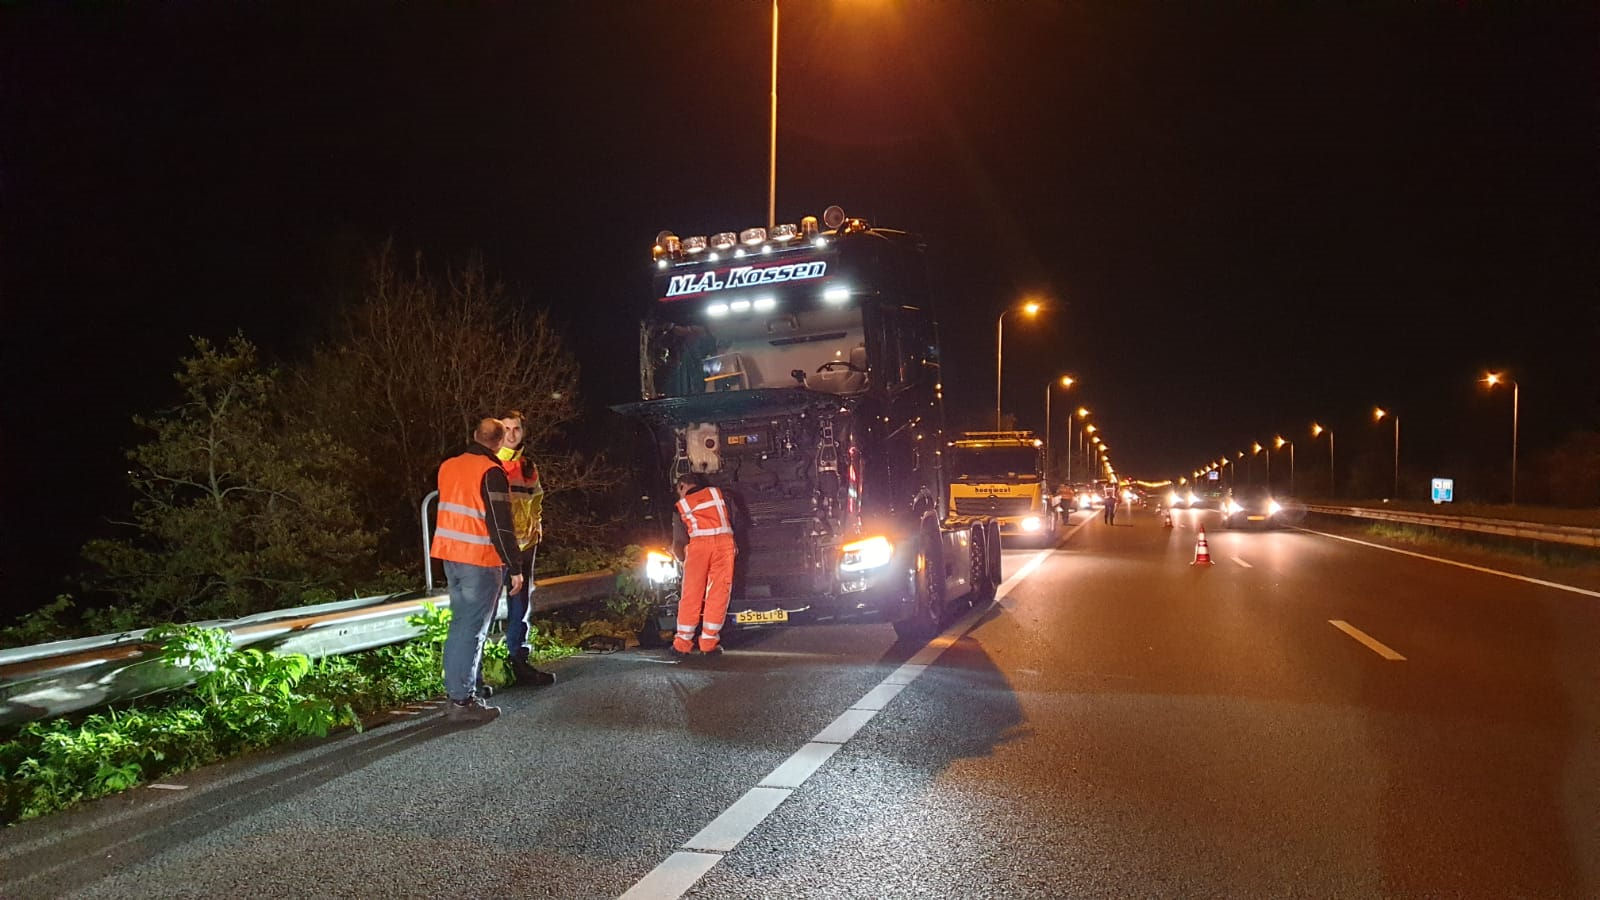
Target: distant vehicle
[
  {"x": 1253, "y": 505},
  {"x": 1180, "y": 498},
  {"x": 1089, "y": 496},
  {"x": 1001, "y": 474}
]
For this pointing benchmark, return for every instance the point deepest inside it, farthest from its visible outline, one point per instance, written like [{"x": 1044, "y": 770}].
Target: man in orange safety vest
[{"x": 704, "y": 531}]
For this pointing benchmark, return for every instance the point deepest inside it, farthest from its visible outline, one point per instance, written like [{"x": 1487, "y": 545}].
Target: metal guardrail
[
  {"x": 66, "y": 676},
  {"x": 1534, "y": 531}
]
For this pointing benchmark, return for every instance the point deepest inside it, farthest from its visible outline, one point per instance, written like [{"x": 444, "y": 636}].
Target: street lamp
[
  {"x": 1316, "y": 431},
  {"x": 1255, "y": 447},
  {"x": 1495, "y": 378},
  {"x": 1082, "y": 414},
  {"x": 1279, "y": 442},
  {"x": 1065, "y": 381},
  {"x": 1378, "y": 413},
  {"x": 1031, "y": 308}
]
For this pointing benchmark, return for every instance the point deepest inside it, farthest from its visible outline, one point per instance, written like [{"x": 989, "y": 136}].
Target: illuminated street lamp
[
  {"x": 1082, "y": 414},
  {"x": 1316, "y": 431},
  {"x": 1065, "y": 381},
  {"x": 1495, "y": 378},
  {"x": 1279, "y": 442},
  {"x": 1255, "y": 448},
  {"x": 1031, "y": 309},
  {"x": 1378, "y": 413}
]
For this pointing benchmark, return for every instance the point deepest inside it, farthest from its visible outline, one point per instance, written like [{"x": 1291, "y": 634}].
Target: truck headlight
[
  {"x": 1273, "y": 508},
  {"x": 868, "y": 553},
  {"x": 659, "y": 567},
  {"x": 1032, "y": 523}
]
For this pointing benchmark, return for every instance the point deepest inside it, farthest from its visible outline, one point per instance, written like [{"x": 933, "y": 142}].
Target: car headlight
[
  {"x": 1032, "y": 523},
  {"x": 1234, "y": 508},
  {"x": 659, "y": 567},
  {"x": 1172, "y": 499},
  {"x": 1273, "y": 508},
  {"x": 1193, "y": 499},
  {"x": 868, "y": 553}
]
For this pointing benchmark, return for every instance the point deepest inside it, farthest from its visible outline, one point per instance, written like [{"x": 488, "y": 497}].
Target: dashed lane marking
[
  {"x": 678, "y": 873},
  {"x": 1370, "y": 642},
  {"x": 1460, "y": 565},
  {"x": 1243, "y": 563}
]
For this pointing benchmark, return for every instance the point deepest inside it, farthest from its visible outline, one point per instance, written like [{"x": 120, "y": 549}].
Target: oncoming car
[{"x": 1252, "y": 505}]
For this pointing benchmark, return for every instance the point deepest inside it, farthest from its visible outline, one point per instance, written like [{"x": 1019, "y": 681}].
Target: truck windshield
[
  {"x": 768, "y": 341},
  {"x": 972, "y": 463}
]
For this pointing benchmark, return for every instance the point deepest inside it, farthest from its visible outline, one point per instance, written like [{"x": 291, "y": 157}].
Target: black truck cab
[{"x": 799, "y": 372}]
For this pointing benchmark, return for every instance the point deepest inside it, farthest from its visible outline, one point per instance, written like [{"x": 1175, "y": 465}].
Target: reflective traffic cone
[
  {"x": 1166, "y": 518},
  {"x": 1202, "y": 553}
]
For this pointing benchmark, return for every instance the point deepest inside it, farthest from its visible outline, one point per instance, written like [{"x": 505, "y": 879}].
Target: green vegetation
[
  {"x": 1547, "y": 554},
  {"x": 1547, "y": 515},
  {"x": 241, "y": 700}
]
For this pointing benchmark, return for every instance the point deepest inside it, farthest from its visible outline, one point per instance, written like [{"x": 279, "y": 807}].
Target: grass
[
  {"x": 1547, "y": 515},
  {"x": 1546, "y": 554}
]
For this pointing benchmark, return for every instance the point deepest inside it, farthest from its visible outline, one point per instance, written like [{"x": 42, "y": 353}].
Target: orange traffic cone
[
  {"x": 1202, "y": 553},
  {"x": 1166, "y": 518}
]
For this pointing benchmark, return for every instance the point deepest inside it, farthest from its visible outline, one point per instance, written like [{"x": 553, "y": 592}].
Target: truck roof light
[
  {"x": 724, "y": 240},
  {"x": 753, "y": 236},
  {"x": 836, "y": 294},
  {"x": 808, "y": 226},
  {"x": 694, "y": 245},
  {"x": 854, "y": 226},
  {"x": 739, "y": 306},
  {"x": 766, "y": 304},
  {"x": 784, "y": 233},
  {"x": 819, "y": 241},
  {"x": 766, "y": 249},
  {"x": 712, "y": 256},
  {"x": 717, "y": 310}
]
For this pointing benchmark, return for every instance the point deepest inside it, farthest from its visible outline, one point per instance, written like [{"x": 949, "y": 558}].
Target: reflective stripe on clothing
[
  {"x": 707, "y": 515},
  {"x": 464, "y": 510},
  {"x": 453, "y": 534},
  {"x": 527, "y": 500}
]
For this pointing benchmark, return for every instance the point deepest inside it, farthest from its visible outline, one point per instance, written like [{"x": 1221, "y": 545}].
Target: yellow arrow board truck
[{"x": 1001, "y": 474}]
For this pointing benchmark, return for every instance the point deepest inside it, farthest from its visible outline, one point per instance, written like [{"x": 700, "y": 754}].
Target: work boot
[
  {"x": 528, "y": 675},
  {"x": 471, "y": 711},
  {"x": 714, "y": 651}
]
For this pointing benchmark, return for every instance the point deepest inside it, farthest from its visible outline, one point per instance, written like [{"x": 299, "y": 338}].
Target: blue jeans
[
  {"x": 474, "y": 599},
  {"x": 517, "y": 608}
]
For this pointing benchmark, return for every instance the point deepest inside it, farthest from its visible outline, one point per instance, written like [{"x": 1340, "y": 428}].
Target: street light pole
[
  {"x": 1031, "y": 308},
  {"x": 772, "y": 158},
  {"x": 1065, "y": 381},
  {"x": 1318, "y": 430},
  {"x": 1492, "y": 379}
]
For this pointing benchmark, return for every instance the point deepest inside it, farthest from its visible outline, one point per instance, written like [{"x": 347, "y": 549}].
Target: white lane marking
[
  {"x": 845, "y": 727},
  {"x": 676, "y": 874},
  {"x": 727, "y": 830},
  {"x": 1372, "y": 643},
  {"x": 1461, "y": 565},
  {"x": 1243, "y": 563},
  {"x": 802, "y": 765},
  {"x": 879, "y": 697},
  {"x": 904, "y": 675},
  {"x": 167, "y": 787}
]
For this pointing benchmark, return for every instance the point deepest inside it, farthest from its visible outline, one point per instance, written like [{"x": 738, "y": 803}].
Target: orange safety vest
[
  {"x": 704, "y": 513},
  {"x": 462, "y": 532}
]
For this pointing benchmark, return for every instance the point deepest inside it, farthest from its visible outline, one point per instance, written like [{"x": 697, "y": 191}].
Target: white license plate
[{"x": 761, "y": 617}]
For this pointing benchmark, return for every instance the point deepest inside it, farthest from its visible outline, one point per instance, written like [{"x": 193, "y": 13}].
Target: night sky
[{"x": 1245, "y": 216}]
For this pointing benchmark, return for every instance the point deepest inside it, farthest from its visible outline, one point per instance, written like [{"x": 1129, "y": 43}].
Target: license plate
[
  {"x": 761, "y": 617},
  {"x": 1257, "y": 518}
]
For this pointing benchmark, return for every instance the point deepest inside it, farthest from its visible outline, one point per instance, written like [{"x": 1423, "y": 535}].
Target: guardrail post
[{"x": 427, "y": 542}]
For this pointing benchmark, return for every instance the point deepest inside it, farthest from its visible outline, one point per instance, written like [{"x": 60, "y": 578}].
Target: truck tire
[
  {"x": 983, "y": 581},
  {"x": 925, "y": 584}
]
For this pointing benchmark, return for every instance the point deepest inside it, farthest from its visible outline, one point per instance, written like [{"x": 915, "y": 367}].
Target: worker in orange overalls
[{"x": 705, "y": 544}]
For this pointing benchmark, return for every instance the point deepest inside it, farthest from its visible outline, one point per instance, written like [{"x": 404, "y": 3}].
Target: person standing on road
[
  {"x": 475, "y": 540},
  {"x": 705, "y": 532},
  {"x": 527, "y": 517},
  {"x": 1110, "y": 509}
]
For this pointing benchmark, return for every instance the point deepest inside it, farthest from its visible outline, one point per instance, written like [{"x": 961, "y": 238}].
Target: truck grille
[{"x": 993, "y": 506}]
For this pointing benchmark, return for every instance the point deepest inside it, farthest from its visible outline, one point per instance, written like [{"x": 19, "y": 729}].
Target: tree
[
  {"x": 236, "y": 511},
  {"x": 1572, "y": 470},
  {"x": 415, "y": 362}
]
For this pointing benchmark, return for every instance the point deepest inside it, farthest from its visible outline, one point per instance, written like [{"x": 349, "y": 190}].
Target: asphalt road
[{"x": 1120, "y": 724}]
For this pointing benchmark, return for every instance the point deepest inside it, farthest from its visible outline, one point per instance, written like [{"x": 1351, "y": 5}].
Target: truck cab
[
  {"x": 1001, "y": 474},
  {"x": 798, "y": 370}
]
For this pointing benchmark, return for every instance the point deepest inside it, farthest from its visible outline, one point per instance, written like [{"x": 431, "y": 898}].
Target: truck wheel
[
  {"x": 926, "y": 586},
  {"x": 983, "y": 582},
  {"x": 996, "y": 570}
]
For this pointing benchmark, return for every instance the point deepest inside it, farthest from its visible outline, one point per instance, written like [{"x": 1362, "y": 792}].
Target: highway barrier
[
  {"x": 60, "y": 677},
  {"x": 1533, "y": 531}
]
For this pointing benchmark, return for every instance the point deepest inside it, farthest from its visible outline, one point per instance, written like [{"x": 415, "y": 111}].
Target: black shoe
[
  {"x": 471, "y": 711},
  {"x": 714, "y": 651},
  {"x": 674, "y": 653},
  {"x": 528, "y": 675}
]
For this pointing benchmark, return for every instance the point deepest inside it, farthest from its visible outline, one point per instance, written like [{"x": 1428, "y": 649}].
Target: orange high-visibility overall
[{"x": 707, "y": 569}]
